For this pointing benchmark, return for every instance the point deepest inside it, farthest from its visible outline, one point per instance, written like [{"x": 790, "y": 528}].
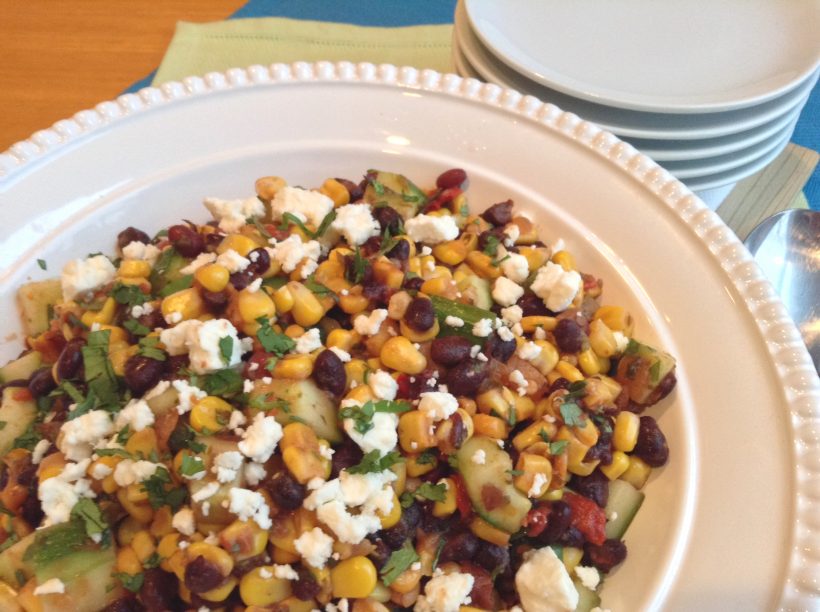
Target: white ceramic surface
[
  {"x": 731, "y": 523},
  {"x": 676, "y": 56},
  {"x": 624, "y": 122}
]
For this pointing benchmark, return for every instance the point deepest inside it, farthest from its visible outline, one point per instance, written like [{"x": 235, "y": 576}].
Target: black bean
[
  {"x": 401, "y": 251},
  {"x": 371, "y": 245},
  {"x": 353, "y": 190},
  {"x": 499, "y": 349},
  {"x": 212, "y": 241},
  {"x": 595, "y": 487},
  {"x": 186, "y": 240},
  {"x": 124, "y": 604},
  {"x": 41, "y": 382},
  {"x": 178, "y": 365},
  {"x": 31, "y": 510},
  {"x": 152, "y": 320},
  {"x": 606, "y": 556},
  {"x": 215, "y": 301},
  {"x": 499, "y": 214},
  {"x": 202, "y": 575},
  {"x": 285, "y": 491},
  {"x": 491, "y": 238},
  {"x": 465, "y": 378},
  {"x": 405, "y": 528},
  {"x": 381, "y": 552},
  {"x": 558, "y": 384},
  {"x": 569, "y": 336},
  {"x": 413, "y": 283},
  {"x": 460, "y": 547},
  {"x": 492, "y": 557},
  {"x": 454, "y": 177},
  {"x": 180, "y": 437},
  {"x": 346, "y": 455},
  {"x": 420, "y": 315},
  {"x": 246, "y": 565},
  {"x": 70, "y": 361},
  {"x": 558, "y": 522},
  {"x": 242, "y": 279},
  {"x": 307, "y": 587},
  {"x": 329, "y": 373},
  {"x": 260, "y": 261},
  {"x": 602, "y": 450},
  {"x": 388, "y": 219},
  {"x": 143, "y": 373},
  {"x": 450, "y": 350},
  {"x": 159, "y": 590},
  {"x": 129, "y": 235},
  {"x": 376, "y": 291},
  {"x": 651, "y": 446}
]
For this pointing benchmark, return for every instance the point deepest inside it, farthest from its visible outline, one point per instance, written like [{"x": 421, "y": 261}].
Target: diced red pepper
[
  {"x": 537, "y": 520},
  {"x": 21, "y": 394},
  {"x": 441, "y": 198},
  {"x": 587, "y": 517},
  {"x": 465, "y": 508}
]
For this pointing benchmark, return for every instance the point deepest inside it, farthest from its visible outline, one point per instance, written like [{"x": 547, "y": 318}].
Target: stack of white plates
[{"x": 710, "y": 89}]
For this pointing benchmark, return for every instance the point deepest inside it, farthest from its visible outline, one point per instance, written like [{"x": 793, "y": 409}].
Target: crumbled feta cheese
[
  {"x": 83, "y": 275},
  {"x": 100, "y": 471},
  {"x": 128, "y": 471},
  {"x": 187, "y": 395},
  {"x": 479, "y": 457},
  {"x": 557, "y": 246},
  {"x": 200, "y": 339},
  {"x": 540, "y": 333},
  {"x": 529, "y": 351},
  {"x": 247, "y": 386},
  {"x": 475, "y": 350},
  {"x": 445, "y": 593},
  {"x": 227, "y": 465},
  {"x": 139, "y": 251},
  {"x": 430, "y": 229},
  {"x": 136, "y": 415},
  {"x": 311, "y": 205},
  {"x": 203, "y": 259},
  {"x": 517, "y": 378},
  {"x": 207, "y": 491},
  {"x": 141, "y": 309},
  {"x": 247, "y": 505},
  {"x": 453, "y": 321},
  {"x": 543, "y": 583},
  {"x": 515, "y": 267},
  {"x": 383, "y": 385},
  {"x": 613, "y": 515},
  {"x": 369, "y": 325},
  {"x": 538, "y": 483},
  {"x": 291, "y": 251},
  {"x": 382, "y": 436},
  {"x": 265, "y": 573},
  {"x": 173, "y": 317},
  {"x": 79, "y": 435},
  {"x": 512, "y": 314},
  {"x": 511, "y": 234},
  {"x": 183, "y": 522},
  {"x": 588, "y": 576},
  {"x": 255, "y": 285},
  {"x": 60, "y": 493},
  {"x": 326, "y": 452},
  {"x": 50, "y": 586},
  {"x": 483, "y": 328},
  {"x": 308, "y": 342},
  {"x": 506, "y": 292},
  {"x": 233, "y": 261},
  {"x": 436, "y": 405},
  {"x": 40, "y": 449},
  {"x": 356, "y": 223},
  {"x": 416, "y": 566},
  {"x": 343, "y": 355},
  {"x": 285, "y": 572},
  {"x": 621, "y": 342},
  {"x": 260, "y": 438},
  {"x": 556, "y": 286},
  {"x": 232, "y": 214},
  {"x": 255, "y": 473},
  {"x": 505, "y": 333},
  {"x": 315, "y": 546}
]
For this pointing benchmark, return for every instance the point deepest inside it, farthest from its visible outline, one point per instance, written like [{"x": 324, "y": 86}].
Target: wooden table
[{"x": 62, "y": 56}]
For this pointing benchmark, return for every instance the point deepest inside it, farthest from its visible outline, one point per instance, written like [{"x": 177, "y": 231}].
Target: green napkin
[{"x": 198, "y": 48}]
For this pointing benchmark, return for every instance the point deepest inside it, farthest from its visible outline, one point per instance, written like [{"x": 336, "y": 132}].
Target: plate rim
[
  {"x": 790, "y": 361},
  {"x": 625, "y": 100}
]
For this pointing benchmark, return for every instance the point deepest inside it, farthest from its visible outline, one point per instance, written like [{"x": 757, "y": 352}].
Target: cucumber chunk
[
  {"x": 587, "y": 598},
  {"x": 16, "y": 415},
  {"x": 624, "y": 501},
  {"x": 491, "y": 483},
  {"x": 36, "y": 300},
  {"x": 469, "y": 314},
  {"x": 641, "y": 371},
  {"x": 299, "y": 400},
  {"x": 394, "y": 190},
  {"x": 21, "y": 368}
]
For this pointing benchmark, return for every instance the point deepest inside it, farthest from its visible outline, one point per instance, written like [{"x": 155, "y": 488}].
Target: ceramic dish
[
  {"x": 731, "y": 522},
  {"x": 676, "y": 56},
  {"x": 624, "y": 122}
]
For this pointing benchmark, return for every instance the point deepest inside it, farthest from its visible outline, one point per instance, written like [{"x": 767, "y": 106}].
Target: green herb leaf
[
  {"x": 152, "y": 561},
  {"x": 320, "y": 231},
  {"x": 42, "y": 263},
  {"x": 148, "y": 347},
  {"x": 358, "y": 268},
  {"x": 289, "y": 219},
  {"x": 319, "y": 289},
  {"x": 491, "y": 246},
  {"x": 406, "y": 499},
  {"x": 183, "y": 282},
  {"x": 515, "y": 473},
  {"x": 136, "y": 328},
  {"x": 572, "y": 414},
  {"x": 185, "y": 437},
  {"x": 56, "y": 542},
  {"x": 398, "y": 562},
  {"x": 439, "y": 547},
  {"x": 374, "y": 462},
  {"x": 363, "y": 414},
  {"x": 226, "y": 349},
  {"x": 28, "y": 439},
  {"x": 130, "y": 582},
  {"x": 260, "y": 228},
  {"x": 272, "y": 341},
  {"x": 433, "y": 492},
  {"x": 558, "y": 447},
  {"x": 130, "y": 295},
  {"x": 124, "y": 434},
  {"x": 191, "y": 465},
  {"x": 112, "y": 452},
  {"x": 428, "y": 457},
  {"x": 224, "y": 383},
  {"x": 99, "y": 373},
  {"x": 89, "y": 513},
  {"x": 159, "y": 495}
]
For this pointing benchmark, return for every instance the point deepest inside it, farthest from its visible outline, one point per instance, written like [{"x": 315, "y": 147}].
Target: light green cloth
[{"x": 199, "y": 48}]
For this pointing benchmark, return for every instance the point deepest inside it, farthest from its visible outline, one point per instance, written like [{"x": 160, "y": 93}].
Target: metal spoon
[{"x": 787, "y": 248}]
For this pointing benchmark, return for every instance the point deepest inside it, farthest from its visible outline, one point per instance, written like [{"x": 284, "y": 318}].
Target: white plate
[
  {"x": 623, "y": 122},
  {"x": 675, "y": 56},
  {"x": 731, "y": 522}
]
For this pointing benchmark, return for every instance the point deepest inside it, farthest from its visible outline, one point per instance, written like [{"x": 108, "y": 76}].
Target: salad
[{"x": 361, "y": 397}]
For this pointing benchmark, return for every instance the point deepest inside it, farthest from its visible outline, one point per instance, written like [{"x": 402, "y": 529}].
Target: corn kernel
[
  {"x": 540, "y": 431},
  {"x": 128, "y": 562},
  {"x": 625, "y": 432},
  {"x": 353, "y": 578},
  {"x": 134, "y": 268},
  {"x": 487, "y": 532},
  {"x": 336, "y": 192},
  {"x": 143, "y": 544},
  {"x": 210, "y": 413},
  {"x": 267, "y": 186},
  {"x": 391, "y": 518},
  {"x": 399, "y": 354},
  {"x": 237, "y": 242},
  {"x": 490, "y": 426},
  {"x": 601, "y": 339},
  {"x": 213, "y": 277},
  {"x": 619, "y": 465},
  {"x": 343, "y": 339},
  {"x": 448, "y": 505},
  {"x": 245, "y": 539},
  {"x": 254, "y": 305},
  {"x": 416, "y": 431},
  {"x": 568, "y": 371},
  {"x": 104, "y": 316},
  {"x": 187, "y": 303},
  {"x": 637, "y": 473},
  {"x": 565, "y": 260},
  {"x": 297, "y": 367},
  {"x": 616, "y": 318},
  {"x": 307, "y": 310},
  {"x": 482, "y": 265},
  {"x": 531, "y": 465},
  {"x": 419, "y": 336},
  {"x": 258, "y": 590},
  {"x": 283, "y": 299},
  {"x": 221, "y": 592},
  {"x": 588, "y": 361}
]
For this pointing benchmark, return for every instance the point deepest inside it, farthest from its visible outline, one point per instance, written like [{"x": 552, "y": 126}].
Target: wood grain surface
[{"x": 58, "y": 57}]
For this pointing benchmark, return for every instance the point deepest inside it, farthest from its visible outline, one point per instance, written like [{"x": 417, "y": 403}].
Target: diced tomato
[
  {"x": 465, "y": 508},
  {"x": 537, "y": 520},
  {"x": 405, "y": 390},
  {"x": 587, "y": 517},
  {"x": 441, "y": 198},
  {"x": 21, "y": 394}
]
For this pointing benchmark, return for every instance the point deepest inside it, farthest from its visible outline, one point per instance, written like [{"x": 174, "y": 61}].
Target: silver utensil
[{"x": 787, "y": 248}]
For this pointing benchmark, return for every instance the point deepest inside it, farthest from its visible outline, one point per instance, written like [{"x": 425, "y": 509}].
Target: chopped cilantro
[
  {"x": 572, "y": 414},
  {"x": 28, "y": 439},
  {"x": 148, "y": 348},
  {"x": 515, "y": 473},
  {"x": 356, "y": 271},
  {"x": 124, "y": 434},
  {"x": 439, "y": 547},
  {"x": 225, "y": 382},
  {"x": 183, "y": 282},
  {"x": 89, "y": 513},
  {"x": 491, "y": 246},
  {"x": 152, "y": 561},
  {"x": 99, "y": 373},
  {"x": 131, "y": 582},
  {"x": 362, "y": 415},
  {"x": 325, "y": 224},
  {"x": 260, "y": 228},
  {"x": 130, "y": 295},
  {"x": 226, "y": 349},
  {"x": 272, "y": 341},
  {"x": 319, "y": 289},
  {"x": 112, "y": 452},
  {"x": 136, "y": 328},
  {"x": 191, "y": 465},
  {"x": 374, "y": 462},
  {"x": 428, "y": 457},
  {"x": 433, "y": 492},
  {"x": 291, "y": 219},
  {"x": 406, "y": 499},
  {"x": 558, "y": 447},
  {"x": 159, "y": 495},
  {"x": 42, "y": 263},
  {"x": 398, "y": 562}
]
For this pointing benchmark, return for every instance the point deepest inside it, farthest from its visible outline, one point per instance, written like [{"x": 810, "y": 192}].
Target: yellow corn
[
  {"x": 188, "y": 303},
  {"x": 490, "y": 426},
  {"x": 586, "y": 434},
  {"x": 128, "y": 562},
  {"x": 497, "y": 401},
  {"x": 565, "y": 260},
  {"x": 356, "y": 370},
  {"x": 527, "y": 232},
  {"x": 452, "y": 252},
  {"x": 117, "y": 334},
  {"x": 298, "y": 367},
  {"x": 568, "y": 371},
  {"x": 416, "y": 469},
  {"x": 448, "y": 506},
  {"x": 168, "y": 545},
  {"x": 601, "y": 339},
  {"x": 307, "y": 310},
  {"x": 419, "y": 336},
  {"x": 210, "y": 413},
  {"x": 353, "y": 578},
  {"x": 619, "y": 465},
  {"x": 533, "y": 322},
  {"x": 283, "y": 299},
  {"x": 237, "y": 242},
  {"x": 143, "y": 545},
  {"x": 213, "y": 277},
  {"x": 221, "y": 592},
  {"x": 416, "y": 431},
  {"x": 625, "y": 432},
  {"x": 387, "y": 273},
  {"x": 120, "y": 356},
  {"x": 135, "y": 268},
  {"x": 254, "y": 305},
  {"x": 637, "y": 473},
  {"x": 212, "y": 553},
  {"x": 487, "y": 532},
  {"x": 343, "y": 339},
  {"x": 390, "y": 519},
  {"x": 536, "y": 256},
  {"x": 399, "y": 354},
  {"x": 103, "y": 316},
  {"x": 126, "y": 531},
  {"x": 534, "y": 433},
  {"x": 547, "y": 359},
  {"x": 300, "y": 452},
  {"x": 354, "y": 302},
  {"x": 360, "y": 394},
  {"x": 283, "y": 557},
  {"x": 267, "y": 186},
  {"x": 524, "y": 407},
  {"x": 531, "y": 465},
  {"x": 143, "y": 443},
  {"x": 256, "y": 590},
  {"x": 616, "y": 318},
  {"x": 335, "y": 191},
  {"x": 244, "y": 539},
  {"x": 588, "y": 361},
  {"x": 482, "y": 265}
]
